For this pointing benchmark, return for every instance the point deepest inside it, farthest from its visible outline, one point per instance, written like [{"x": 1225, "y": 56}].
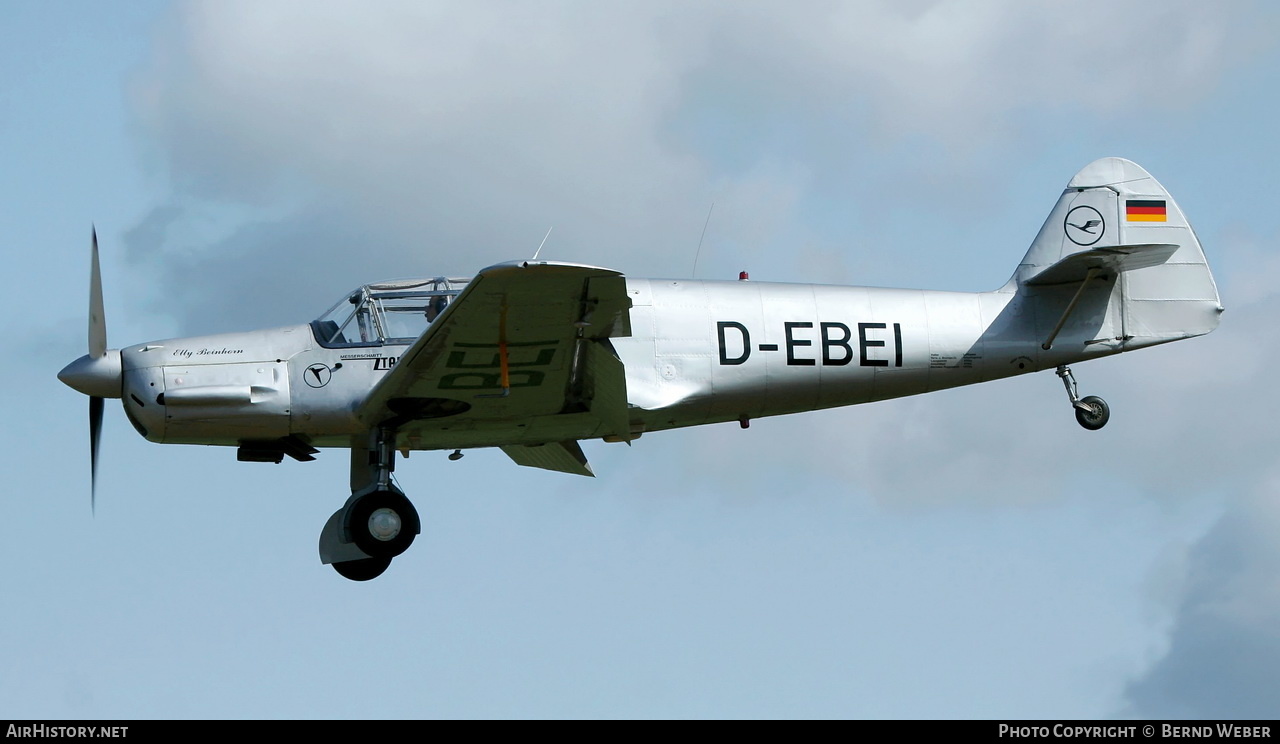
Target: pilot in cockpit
[{"x": 435, "y": 307}]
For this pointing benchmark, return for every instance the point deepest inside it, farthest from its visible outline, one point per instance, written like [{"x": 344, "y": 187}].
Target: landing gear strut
[
  {"x": 378, "y": 522},
  {"x": 1092, "y": 412}
]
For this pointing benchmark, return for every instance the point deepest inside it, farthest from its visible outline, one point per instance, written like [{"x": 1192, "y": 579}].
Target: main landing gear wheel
[
  {"x": 377, "y": 523},
  {"x": 1092, "y": 412},
  {"x": 382, "y": 524},
  {"x": 362, "y": 570}
]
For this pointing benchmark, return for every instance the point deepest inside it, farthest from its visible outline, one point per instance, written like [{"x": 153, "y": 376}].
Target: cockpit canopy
[{"x": 394, "y": 312}]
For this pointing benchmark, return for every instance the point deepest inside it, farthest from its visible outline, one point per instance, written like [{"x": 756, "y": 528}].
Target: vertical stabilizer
[{"x": 1113, "y": 203}]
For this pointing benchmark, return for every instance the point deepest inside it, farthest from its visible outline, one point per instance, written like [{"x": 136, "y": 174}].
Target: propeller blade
[
  {"x": 97, "y": 319},
  {"x": 95, "y": 435}
]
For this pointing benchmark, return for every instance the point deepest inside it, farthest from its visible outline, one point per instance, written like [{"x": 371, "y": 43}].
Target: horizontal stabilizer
[
  {"x": 562, "y": 457},
  {"x": 1075, "y": 268}
]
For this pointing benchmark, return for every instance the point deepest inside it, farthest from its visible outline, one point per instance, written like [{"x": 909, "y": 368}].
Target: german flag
[{"x": 1144, "y": 210}]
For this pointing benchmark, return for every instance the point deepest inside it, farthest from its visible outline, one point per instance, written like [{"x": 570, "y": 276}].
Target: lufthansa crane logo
[
  {"x": 1084, "y": 225},
  {"x": 317, "y": 375}
]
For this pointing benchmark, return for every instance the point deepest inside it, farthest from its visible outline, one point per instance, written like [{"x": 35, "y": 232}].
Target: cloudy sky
[{"x": 971, "y": 553}]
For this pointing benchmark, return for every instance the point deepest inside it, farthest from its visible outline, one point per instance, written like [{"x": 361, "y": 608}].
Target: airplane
[{"x": 534, "y": 357}]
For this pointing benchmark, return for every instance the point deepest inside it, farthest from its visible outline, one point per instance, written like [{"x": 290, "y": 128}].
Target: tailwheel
[
  {"x": 362, "y": 570},
  {"x": 1092, "y": 412}
]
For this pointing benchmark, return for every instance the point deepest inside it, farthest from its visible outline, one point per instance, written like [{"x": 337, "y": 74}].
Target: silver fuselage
[{"x": 698, "y": 352}]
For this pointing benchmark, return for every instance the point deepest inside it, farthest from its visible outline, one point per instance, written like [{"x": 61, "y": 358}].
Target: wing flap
[
  {"x": 562, "y": 457},
  {"x": 607, "y": 380}
]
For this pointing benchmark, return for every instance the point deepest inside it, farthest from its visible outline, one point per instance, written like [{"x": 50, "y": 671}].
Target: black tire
[
  {"x": 391, "y": 504},
  {"x": 362, "y": 570},
  {"x": 1097, "y": 414}
]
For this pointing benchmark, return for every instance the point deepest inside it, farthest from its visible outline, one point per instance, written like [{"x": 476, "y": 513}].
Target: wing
[{"x": 520, "y": 359}]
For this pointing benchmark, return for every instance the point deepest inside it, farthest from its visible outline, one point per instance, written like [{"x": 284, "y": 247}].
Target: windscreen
[{"x": 386, "y": 313}]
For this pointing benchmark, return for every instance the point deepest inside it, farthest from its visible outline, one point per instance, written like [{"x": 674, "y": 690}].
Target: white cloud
[{"x": 473, "y": 127}]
